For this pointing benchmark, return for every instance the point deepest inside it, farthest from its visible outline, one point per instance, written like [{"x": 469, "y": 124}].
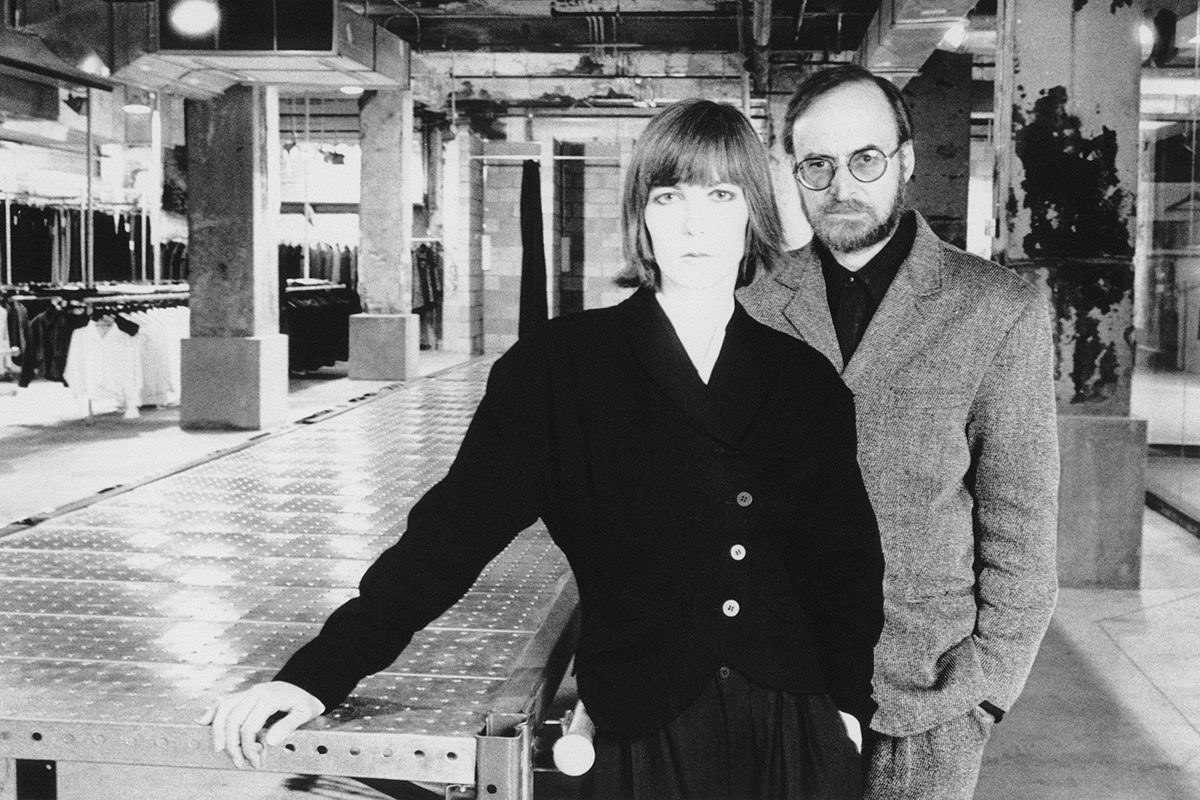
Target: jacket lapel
[
  {"x": 743, "y": 373},
  {"x": 807, "y": 308},
  {"x": 663, "y": 359},
  {"x": 898, "y": 329}
]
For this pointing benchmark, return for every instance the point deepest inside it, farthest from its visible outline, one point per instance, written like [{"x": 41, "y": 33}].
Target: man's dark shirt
[{"x": 854, "y": 296}]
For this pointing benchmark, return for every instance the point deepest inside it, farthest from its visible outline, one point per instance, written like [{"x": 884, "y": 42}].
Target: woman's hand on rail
[{"x": 238, "y": 718}]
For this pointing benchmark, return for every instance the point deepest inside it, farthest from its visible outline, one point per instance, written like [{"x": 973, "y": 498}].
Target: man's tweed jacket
[{"x": 958, "y": 447}]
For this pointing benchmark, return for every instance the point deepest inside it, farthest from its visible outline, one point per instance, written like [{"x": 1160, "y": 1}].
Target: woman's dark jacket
[{"x": 646, "y": 478}]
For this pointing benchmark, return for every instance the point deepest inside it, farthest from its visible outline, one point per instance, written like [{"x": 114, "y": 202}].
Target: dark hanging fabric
[
  {"x": 291, "y": 261},
  {"x": 75, "y": 223},
  {"x": 126, "y": 325},
  {"x": 18, "y": 329},
  {"x": 140, "y": 241},
  {"x": 533, "y": 310},
  {"x": 110, "y": 250},
  {"x": 32, "y": 243},
  {"x": 49, "y": 340},
  {"x": 317, "y": 323},
  {"x": 348, "y": 267},
  {"x": 175, "y": 261},
  {"x": 427, "y": 292}
]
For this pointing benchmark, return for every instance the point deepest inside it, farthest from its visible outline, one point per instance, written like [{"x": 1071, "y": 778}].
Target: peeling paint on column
[
  {"x": 1077, "y": 206},
  {"x": 1093, "y": 313}
]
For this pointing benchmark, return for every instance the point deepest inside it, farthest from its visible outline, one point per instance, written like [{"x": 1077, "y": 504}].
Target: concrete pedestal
[
  {"x": 1101, "y": 497},
  {"x": 238, "y": 383},
  {"x": 384, "y": 347}
]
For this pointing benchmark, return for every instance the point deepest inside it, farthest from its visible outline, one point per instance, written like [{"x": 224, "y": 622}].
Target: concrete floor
[
  {"x": 1111, "y": 712},
  {"x": 52, "y": 453}
]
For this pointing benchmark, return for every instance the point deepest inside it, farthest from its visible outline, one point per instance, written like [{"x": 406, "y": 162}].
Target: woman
[{"x": 699, "y": 472}]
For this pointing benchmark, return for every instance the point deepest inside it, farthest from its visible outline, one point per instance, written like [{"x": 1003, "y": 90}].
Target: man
[{"x": 950, "y": 360}]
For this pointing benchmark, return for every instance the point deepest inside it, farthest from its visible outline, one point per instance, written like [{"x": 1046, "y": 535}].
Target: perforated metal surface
[{"x": 122, "y": 620}]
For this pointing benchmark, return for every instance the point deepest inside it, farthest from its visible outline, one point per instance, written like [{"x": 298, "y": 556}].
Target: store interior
[{"x": 96, "y": 227}]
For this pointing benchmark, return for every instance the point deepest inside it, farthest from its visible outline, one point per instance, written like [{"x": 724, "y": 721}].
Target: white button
[
  {"x": 731, "y": 608},
  {"x": 737, "y": 552},
  {"x": 744, "y": 499}
]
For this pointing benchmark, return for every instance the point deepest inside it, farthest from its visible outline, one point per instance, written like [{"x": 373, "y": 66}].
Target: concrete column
[
  {"x": 462, "y": 215},
  {"x": 235, "y": 363},
  {"x": 940, "y": 99},
  {"x": 385, "y": 338},
  {"x": 1067, "y": 101},
  {"x": 502, "y": 247}
]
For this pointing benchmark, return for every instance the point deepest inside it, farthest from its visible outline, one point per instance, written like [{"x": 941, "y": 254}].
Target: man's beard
[{"x": 848, "y": 236}]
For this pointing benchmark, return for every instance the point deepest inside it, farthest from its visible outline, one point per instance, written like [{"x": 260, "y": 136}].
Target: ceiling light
[
  {"x": 195, "y": 17},
  {"x": 1146, "y": 36},
  {"x": 352, "y": 91},
  {"x": 137, "y": 101},
  {"x": 955, "y": 37}
]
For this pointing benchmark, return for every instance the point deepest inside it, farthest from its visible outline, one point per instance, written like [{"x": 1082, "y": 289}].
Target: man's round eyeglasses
[{"x": 866, "y": 165}]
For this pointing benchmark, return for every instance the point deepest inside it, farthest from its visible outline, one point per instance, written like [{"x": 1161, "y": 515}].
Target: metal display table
[{"x": 120, "y": 621}]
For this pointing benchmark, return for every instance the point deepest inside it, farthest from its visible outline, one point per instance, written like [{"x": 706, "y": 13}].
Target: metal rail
[{"x": 122, "y": 619}]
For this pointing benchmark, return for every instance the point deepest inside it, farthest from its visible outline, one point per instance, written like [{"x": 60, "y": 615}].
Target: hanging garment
[
  {"x": 318, "y": 326},
  {"x": 31, "y": 243},
  {"x": 6, "y": 364},
  {"x": 105, "y": 367},
  {"x": 18, "y": 330},
  {"x": 50, "y": 336},
  {"x": 533, "y": 312},
  {"x": 160, "y": 385}
]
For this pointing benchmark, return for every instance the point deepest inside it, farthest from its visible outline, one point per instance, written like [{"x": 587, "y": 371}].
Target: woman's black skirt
[{"x": 737, "y": 741}]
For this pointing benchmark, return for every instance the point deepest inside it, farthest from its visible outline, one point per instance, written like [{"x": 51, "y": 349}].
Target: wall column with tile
[
  {"x": 603, "y": 253},
  {"x": 462, "y": 215},
  {"x": 235, "y": 363},
  {"x": 385, "y": 338},
  {"x": 1067, "y": 97}
]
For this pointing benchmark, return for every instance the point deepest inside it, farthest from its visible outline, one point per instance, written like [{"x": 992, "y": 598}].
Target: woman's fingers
[
  {"x": 237, "y": 720},
  {"x": 264, "y": 706},
  {"x": 283, "y": 728},
  {"x": 240, "y": 709}
]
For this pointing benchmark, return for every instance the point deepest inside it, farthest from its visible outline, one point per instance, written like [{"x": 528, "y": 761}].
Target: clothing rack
[
  {"x": 132, "y": 302},
  {"x": 312, "y": 286},
  {"x": 83, "y": 228}
]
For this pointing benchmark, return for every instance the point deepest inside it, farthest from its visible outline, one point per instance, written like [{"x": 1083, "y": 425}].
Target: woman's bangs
[{"x": 701, "y": 159}]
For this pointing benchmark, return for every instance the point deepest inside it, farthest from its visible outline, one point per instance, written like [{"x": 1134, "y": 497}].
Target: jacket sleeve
[
  {"x": 1013, "y": 435},
  {"x": 845, "y": 580},
  {"x": 492, "y": 491}
]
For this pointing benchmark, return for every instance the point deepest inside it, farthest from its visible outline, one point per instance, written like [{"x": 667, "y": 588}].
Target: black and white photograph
[{"x": 600, "y": 399}]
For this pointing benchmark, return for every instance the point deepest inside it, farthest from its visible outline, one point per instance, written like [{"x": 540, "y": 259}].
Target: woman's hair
[{"x": 699, "y": 142}]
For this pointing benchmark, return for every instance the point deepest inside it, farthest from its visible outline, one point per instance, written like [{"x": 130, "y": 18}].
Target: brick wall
[{"x": 603, "y": 175}]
